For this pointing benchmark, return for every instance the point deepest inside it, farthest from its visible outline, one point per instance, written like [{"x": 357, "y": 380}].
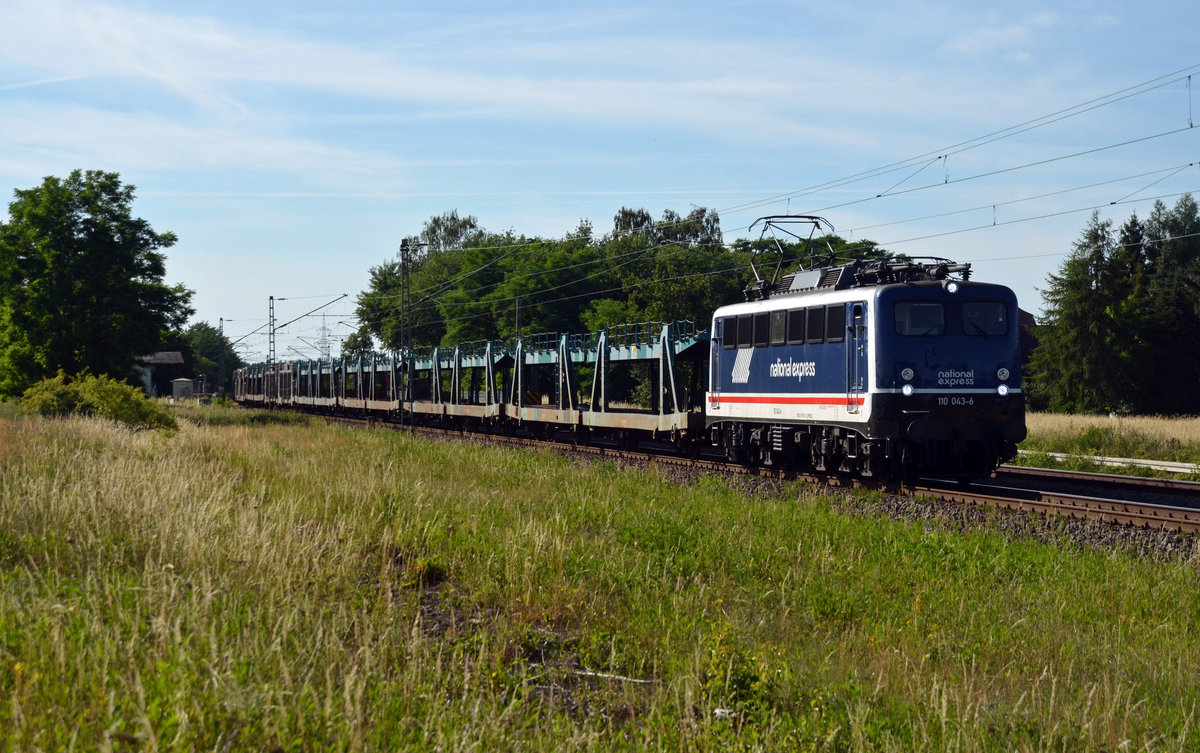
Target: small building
[
  {"x": 156, "y": 366},
  {"x": 182, "y": 388}
]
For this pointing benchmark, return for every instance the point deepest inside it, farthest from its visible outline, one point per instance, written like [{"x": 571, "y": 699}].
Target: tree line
[
  {"x": 1120, "y": 316},
  {"x": 468, "y": 284},
  {"x": 82, "y": 291}
]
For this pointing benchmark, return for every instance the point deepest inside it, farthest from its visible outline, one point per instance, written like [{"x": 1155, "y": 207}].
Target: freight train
[{"x": 879, "y": 369}]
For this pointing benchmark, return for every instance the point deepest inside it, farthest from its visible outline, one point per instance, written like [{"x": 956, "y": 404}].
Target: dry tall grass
[
  {"x": 1185, "y": 430},
  {"x": 1150, "y": 437}
]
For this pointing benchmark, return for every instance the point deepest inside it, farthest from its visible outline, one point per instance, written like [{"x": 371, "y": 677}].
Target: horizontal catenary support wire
[
  {"x": 1171, "y": 171},
  {"x": 959, "y": 180},
  {"x": 943, "y": 152},
  {"x": 1079, "y": 109},
  {"x": 428, "y": 305},
  {"x": 1038, "y": 217},
  {"x": 1001, "y": 171},
  {"x": 909, "y": 163},
  {"x": 534, "y": 301}
]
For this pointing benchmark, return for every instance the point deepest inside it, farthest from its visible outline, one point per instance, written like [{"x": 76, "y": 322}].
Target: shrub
[{"x": 100, "y": 396}]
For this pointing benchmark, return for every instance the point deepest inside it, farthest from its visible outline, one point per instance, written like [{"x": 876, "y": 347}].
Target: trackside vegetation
[
  {"x": 102, "y": 396},
  {"x": 290, "y": 586},
  {"x": 1083, "y": 437}
]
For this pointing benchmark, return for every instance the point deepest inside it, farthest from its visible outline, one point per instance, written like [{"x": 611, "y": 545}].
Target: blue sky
[{"x": 292, "y": 145}]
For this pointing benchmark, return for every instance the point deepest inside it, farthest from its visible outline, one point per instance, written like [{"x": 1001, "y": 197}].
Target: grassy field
[
  {"x": 1148, "y": 437},
  {"x": 248, "y": 583}
]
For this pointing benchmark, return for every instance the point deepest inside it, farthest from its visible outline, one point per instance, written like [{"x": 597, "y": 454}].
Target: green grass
[
  {"x": 259, "y": 586},
  {"x": 224, "y": 413},
  {"x": 9, "y": 410},
  {"x": 1084, "y": 436},
  {"x": 1148, "y": 437}
]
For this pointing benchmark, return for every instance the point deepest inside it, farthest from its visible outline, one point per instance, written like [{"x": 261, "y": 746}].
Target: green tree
[
  {"x": 208, "y": 352},
  {"x": 436, "y": 260},
  {"x": 378, "y": 307},
  {"x": 358, "y": 344},
  {"x": 676, "y": 268},
  {"x": 1172, "y": 309},
  {"x": 1081, "y": 364},
  {"x": 449, "y": 231},
  {"x": 552, "y": 281},
  {"x": 82, "y": 282}
]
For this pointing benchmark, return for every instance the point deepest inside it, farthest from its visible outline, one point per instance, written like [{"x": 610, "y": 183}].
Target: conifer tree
[{"x": 1075, "y": 366}]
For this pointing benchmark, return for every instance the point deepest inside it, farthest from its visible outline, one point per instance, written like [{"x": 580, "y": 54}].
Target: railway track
[{"x": 1152, "y": 504}]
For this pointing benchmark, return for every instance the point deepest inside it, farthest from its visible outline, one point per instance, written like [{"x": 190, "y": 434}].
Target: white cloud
[
  {"x": 70, "y": 135},
  {"x": 1013, "y": 41},
  {"x": 735, "y": 90}
]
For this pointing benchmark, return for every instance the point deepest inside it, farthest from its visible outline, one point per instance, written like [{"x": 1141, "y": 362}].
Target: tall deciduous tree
[{"x": 81, "y": 282}]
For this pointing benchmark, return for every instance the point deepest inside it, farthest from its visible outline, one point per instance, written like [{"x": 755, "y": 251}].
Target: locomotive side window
[
  {"x": 985, "y": 318},
  {"x": 796, "y": 325},
  {"x": 920, "y": 318},
  {"x": 835, "y": 323},
  {"x": 816, "y": 325},
  {"x": 727, "y": 329},
  {"x": 778, "y": 327},
  {"x": 762, "y": 325},
  {"x": 745, "y": 331}
]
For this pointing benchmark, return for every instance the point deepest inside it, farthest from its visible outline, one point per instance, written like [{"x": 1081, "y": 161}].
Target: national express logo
[
  {"x": 953, "y": 378},
  {"x": 793, "y": 369}
]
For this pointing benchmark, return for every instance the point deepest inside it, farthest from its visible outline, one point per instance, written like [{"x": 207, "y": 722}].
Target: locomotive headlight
[
  {"x": 951, "y": 286},
  {"x": 1002, "y": 374},
  {"x": 1003, "y": 390},
  {"x": 907, "y": 390},
  {"x": 906, "y": 374}
]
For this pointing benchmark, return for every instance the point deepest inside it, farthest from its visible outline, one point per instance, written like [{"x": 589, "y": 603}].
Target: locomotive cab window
[
  {"x": 796, "y": 325},
  {"x": 816, "y": 325},
  {"x": 835, "y": 323},
  {"x": 745, "y": 331},
  {"x": 778, "y": 327},
  {"x": 920, "y": 318},
  {"x": 762, "y": 323},
  {"x": 985, "y": 318}
]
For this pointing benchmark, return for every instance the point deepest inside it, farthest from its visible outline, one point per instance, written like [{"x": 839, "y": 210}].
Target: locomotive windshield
[
  {"x": 920, "y": 318},
  {"x": 985, "y": 318},
  {"x": 928, "y": 318}
]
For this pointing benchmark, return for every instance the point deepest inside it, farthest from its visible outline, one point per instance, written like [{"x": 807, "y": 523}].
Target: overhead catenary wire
[
  {"x": 429, "y": 305},
  {"x": 1171, "y": 172},
  {"x": 992, "y": 173},
  {"x": 941, "y": 154},
  {"x": 963, "y": 146},
  {"x": 1032, "y": 219}
]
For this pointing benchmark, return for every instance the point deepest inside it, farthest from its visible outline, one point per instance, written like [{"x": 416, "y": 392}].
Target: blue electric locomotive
[{"x": 880, "y": 368}]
